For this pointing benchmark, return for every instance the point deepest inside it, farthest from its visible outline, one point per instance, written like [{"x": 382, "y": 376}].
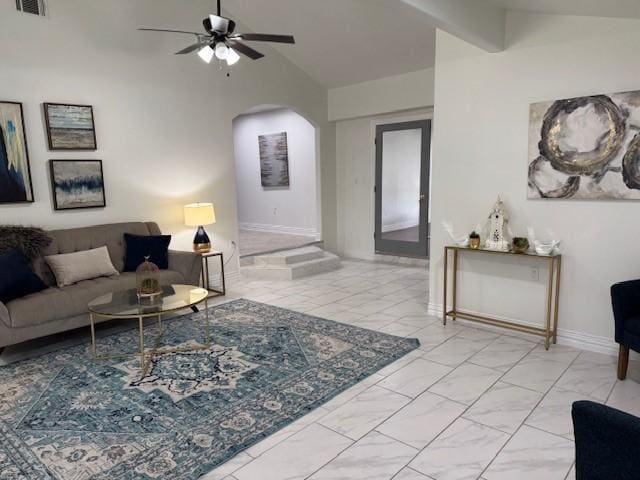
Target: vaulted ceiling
[
  {"x": 342, "y": 42},
  {"x": 589, "y": 8}
]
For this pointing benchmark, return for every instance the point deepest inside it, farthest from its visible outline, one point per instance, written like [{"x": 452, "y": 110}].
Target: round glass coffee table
[{"x": 125, "y": 304}]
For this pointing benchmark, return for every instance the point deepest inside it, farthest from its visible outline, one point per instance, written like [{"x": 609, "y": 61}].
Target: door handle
[{"x": 422, "y": 198}]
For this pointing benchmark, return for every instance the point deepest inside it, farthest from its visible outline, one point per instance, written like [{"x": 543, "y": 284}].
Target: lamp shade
[{"x": 197, "y": 214}]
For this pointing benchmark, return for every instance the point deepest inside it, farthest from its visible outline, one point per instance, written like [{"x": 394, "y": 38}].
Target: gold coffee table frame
[
  {"x": 550, "y": 330},
  {"x": 120, "y": 305}
]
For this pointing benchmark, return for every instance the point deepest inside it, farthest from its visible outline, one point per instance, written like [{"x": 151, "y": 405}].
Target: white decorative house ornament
[{"x": 497, "y": 227}]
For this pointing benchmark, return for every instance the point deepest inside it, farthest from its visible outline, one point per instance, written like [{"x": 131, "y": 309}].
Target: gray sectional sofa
[{"x": 60, "y": 309}]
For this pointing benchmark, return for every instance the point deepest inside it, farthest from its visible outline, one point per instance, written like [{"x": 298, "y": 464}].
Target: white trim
[
  {"x": 261, "y": 227},
  {"x": 570, "y": 338}
]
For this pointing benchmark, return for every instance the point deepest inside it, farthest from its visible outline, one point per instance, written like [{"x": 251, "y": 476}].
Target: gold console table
[{"x": 550, "y": 330}]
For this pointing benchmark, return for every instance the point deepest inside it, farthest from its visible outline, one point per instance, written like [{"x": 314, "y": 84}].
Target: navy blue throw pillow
[
  {"x": 140, "y": 246},
  {"x": 16, "y": 277}
]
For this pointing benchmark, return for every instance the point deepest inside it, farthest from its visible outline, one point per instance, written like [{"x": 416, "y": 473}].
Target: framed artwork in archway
[{"x": 274, "y": 160}]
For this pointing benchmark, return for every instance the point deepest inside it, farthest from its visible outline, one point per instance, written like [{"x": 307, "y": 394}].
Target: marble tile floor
[{"x": 469, "y": 404}]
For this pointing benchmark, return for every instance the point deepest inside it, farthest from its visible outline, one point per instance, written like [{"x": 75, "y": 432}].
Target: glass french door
[{"x": 402, "y": 188}]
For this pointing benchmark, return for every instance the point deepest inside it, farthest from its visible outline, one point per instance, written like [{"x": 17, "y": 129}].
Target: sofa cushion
[
  {"x": 59, "y": 303},
  {"x": 139, "y": 247},
  {"x": 70, "y": 268},
  {"x": 86, "y": 238},
  {"x": 16, "y": 277}
]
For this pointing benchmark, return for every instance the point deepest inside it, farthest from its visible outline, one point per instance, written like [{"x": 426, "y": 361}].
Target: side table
[{"x": 218, "y": 292}]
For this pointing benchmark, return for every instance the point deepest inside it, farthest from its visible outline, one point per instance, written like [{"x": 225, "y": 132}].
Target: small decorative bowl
[{"x": 520, "y": 245}]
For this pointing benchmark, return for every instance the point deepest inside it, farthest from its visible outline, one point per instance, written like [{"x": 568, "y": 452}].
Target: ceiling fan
[{"x": 219, "y": 40}]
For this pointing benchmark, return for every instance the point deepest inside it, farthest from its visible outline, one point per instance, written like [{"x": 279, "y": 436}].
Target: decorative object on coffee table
[
  {"x": 474, "y": 240},
  {"x": 519, "y": 245},
  {"x": 198, "y": 215},
  {"x": 77, "y": 184},
  {"x": 148, "y": 280},
  {"x": 70, "y": 127},
  {"x": 15, "y": 174}
]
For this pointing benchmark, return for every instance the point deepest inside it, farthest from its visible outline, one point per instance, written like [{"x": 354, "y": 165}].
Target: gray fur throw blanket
[{"x": 30, "y": 240}]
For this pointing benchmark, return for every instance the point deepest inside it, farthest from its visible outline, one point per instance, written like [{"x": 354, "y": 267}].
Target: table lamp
[{"x": 197, "y": 215}]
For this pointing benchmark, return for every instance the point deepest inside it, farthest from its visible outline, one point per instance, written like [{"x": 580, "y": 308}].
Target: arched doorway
[{"x": 277, "y": 180}]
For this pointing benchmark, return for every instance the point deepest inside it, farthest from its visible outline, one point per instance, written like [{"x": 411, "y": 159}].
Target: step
[
  {"x": 289, "y": 257},
  {"x": 326, "y": 263},
  {"x": 247, "y": 260}
]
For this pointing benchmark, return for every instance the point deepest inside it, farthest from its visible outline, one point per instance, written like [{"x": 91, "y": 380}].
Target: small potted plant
[
  {"x": 519, "y": 245},
  {"x": 474, "y": 240}
]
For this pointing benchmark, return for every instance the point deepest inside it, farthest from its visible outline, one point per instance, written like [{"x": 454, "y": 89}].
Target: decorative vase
[
  {"x": 474, "y": 243},
  {"x": 148, "y": 279},
  {"x": 520, "y": 245}
]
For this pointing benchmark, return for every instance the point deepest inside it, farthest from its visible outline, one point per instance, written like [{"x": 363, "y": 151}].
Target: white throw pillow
[{"x": 70, "y": 268}]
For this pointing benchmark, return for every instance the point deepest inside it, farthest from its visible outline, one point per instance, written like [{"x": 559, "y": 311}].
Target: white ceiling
[
  {"x": 342, "y": 42},
  {"x": 590, "y": 8}
]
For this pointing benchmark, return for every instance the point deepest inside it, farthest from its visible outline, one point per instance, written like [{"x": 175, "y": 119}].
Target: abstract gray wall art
[
  {"x": 585, "y": 148},
  {"x": 77, "y": 184},
  {"x": 70, "y": 127},
  {"x": 274, "y": 160},
  {"x": 15, "y": 175}
]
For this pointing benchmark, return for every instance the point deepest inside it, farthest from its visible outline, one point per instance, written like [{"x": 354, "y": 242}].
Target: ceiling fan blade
[
  {"x": 170, "y": 31},
  {"x": 189, "y": 49},
  {"x": 245, "y": 50},
  {"x": 265, "y": 37}
]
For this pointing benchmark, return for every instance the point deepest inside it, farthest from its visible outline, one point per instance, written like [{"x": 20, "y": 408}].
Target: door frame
[{"x": 418, "y": 249}]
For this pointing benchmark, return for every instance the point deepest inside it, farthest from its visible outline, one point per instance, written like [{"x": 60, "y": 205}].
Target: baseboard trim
[
  {"x": 570, "y": 338},
  {"x": 261, "y": 227},
  {"x": 384, "y": 258}
]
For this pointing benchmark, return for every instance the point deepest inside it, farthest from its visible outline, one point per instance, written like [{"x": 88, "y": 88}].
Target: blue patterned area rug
[{"x": 65, "y": 416}]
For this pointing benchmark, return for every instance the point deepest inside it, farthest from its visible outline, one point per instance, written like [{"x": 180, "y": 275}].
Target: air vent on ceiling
[{"x": 35, "y": 7}]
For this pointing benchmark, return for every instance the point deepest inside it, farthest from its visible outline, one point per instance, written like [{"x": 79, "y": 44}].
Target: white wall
[
  {"x": 480, "y": 150},
  {"x": 164, "y": 122},
  {"x": 356, "y": 161},
  {"x": 289, "y": 209},
  {"x": 407, "y": 91}
]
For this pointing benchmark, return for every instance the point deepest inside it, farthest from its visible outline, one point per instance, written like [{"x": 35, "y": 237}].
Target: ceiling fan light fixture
[
  {"x": 232, "y": 57},
  {"x": 206, "y": 53},
  {"x": 221, "y": 51}
]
